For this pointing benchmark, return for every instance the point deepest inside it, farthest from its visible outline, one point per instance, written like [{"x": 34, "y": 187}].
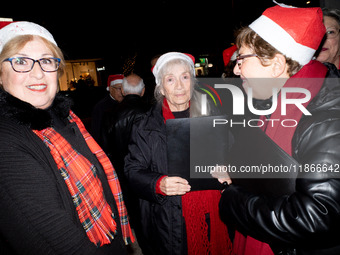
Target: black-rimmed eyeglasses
[
  {"x": 25, "y": 64},
  {"x": 239, "y": 58}
]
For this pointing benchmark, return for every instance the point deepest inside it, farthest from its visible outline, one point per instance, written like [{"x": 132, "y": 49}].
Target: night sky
[{"x": 116, "y": 30}]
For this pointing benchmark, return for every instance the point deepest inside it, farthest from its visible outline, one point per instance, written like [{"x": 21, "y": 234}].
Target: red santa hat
[
  {"x": 14, "y": 29},
  {"x": 165, "y": 58},
  {"x": 5, "y": 21},
  {"x": 114, "y": 79},
  {"x": 229, "y": 54},
  {"x": 295, "y": 32}
]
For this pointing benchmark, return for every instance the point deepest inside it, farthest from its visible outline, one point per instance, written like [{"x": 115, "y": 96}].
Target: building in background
[{"x": 81, "y": 73}]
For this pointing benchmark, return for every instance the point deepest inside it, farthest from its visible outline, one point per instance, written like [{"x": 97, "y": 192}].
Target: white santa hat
[
  {"x": 14, "y": 29},
  {"x": 295, "y": 32},
  {"x": 165, "y": 58}
]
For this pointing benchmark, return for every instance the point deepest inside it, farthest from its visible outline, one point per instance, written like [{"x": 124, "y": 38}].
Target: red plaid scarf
[{"x": 85, "y": 187}]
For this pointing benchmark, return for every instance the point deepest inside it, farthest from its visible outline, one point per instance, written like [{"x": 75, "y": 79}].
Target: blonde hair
[{"x": 13, "y": 46}]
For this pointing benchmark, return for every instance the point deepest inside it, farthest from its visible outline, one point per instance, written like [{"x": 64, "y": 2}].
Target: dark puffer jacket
[{"x": 307, "y": 221}]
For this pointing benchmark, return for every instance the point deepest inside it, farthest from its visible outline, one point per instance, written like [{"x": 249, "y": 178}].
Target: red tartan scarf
[
  {"x": 310, "y": 77},
  {"x": 195, "y": 206},
  {"x": 85, "y": 187}
]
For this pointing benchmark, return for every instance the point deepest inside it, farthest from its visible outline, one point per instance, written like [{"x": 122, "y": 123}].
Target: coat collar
[
  {"x": 154, "y": 120},
  {"x": 27, "y": 115}
]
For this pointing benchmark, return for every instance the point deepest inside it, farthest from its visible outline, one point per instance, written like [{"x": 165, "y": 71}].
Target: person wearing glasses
[
  {"x": 59, "y": 193},
  {"x": 330, "y": 49},
  {"x": 276, "y": 52}
]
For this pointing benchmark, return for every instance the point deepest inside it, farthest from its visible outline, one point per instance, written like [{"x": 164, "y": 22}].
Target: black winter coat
[
  {"x": 37, "y": 214},
  {"x": 119, "y": 126},
  {"x": 307, "y": 221},
  {"x": 161, "y": 216}
]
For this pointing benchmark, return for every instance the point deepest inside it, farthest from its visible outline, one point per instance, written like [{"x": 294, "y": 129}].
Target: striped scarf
[{"x": 85, "y": 187}]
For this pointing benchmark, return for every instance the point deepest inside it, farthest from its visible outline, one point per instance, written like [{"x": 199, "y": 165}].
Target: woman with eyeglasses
[
  {"x": 276, "y": 52},
  {"x": 330, "y": 50},
  {"x": 59, "y": 193}
]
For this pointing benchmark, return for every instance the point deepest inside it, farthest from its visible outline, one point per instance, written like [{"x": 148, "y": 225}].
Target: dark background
[
  {"x": 120, "y": 31},
  {"x": 117, "y": 30}
]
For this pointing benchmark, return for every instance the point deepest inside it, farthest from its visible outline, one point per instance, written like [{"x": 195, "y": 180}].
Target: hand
[
  {"x": 173, "y": 186},
  {"x": 223, "y": 180},
  {"x": 222, "y": 177}
]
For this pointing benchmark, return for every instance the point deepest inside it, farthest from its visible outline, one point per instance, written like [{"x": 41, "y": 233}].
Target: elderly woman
[
  {"x": 330, "y": 50},
  {"x": 306, "y": 221},
  {"x": 59, "y": 193},
  {"x": 174, "y": 220}
]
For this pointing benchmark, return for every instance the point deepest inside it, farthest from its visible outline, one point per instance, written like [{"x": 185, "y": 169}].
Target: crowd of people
[
  {"x": 84, "y": 82},
  {"x": 66, "y": 191}
]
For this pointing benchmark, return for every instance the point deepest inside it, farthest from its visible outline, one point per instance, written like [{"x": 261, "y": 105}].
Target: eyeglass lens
[
  {"x": 23, "y": 64},
  {"x": 240, "y": 58}
]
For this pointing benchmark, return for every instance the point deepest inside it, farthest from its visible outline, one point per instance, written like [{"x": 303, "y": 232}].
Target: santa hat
[
  {"x": 165, "y": 58},
  {"x": 114, "y": 79},
  {"x": 295, "y": 32},
  {"x": 229, "y": 54},
  {"x": 5, "y": 21},
  {"x": 14, "y": 29}
]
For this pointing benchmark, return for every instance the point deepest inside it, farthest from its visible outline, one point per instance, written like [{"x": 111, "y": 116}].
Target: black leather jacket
[
  {"x": 307, "y": 221},
  {"x": 119, "y": 125}
]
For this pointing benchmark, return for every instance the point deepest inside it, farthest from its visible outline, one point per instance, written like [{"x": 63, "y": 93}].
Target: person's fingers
[
  {"x": 177, "y": 179},
  {"x": 174, "y": 186},
  {"x": 177, "y": 188},
  {"x": 219, "y": 175}
]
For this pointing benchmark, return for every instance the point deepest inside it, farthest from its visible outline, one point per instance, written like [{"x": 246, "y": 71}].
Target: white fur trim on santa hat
[
  {"x": 165, "y": 58},
  {"x": 281, "y": 40},
  {"x": 14, "y": 29},
  {"x": 114, "y": 82}
]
